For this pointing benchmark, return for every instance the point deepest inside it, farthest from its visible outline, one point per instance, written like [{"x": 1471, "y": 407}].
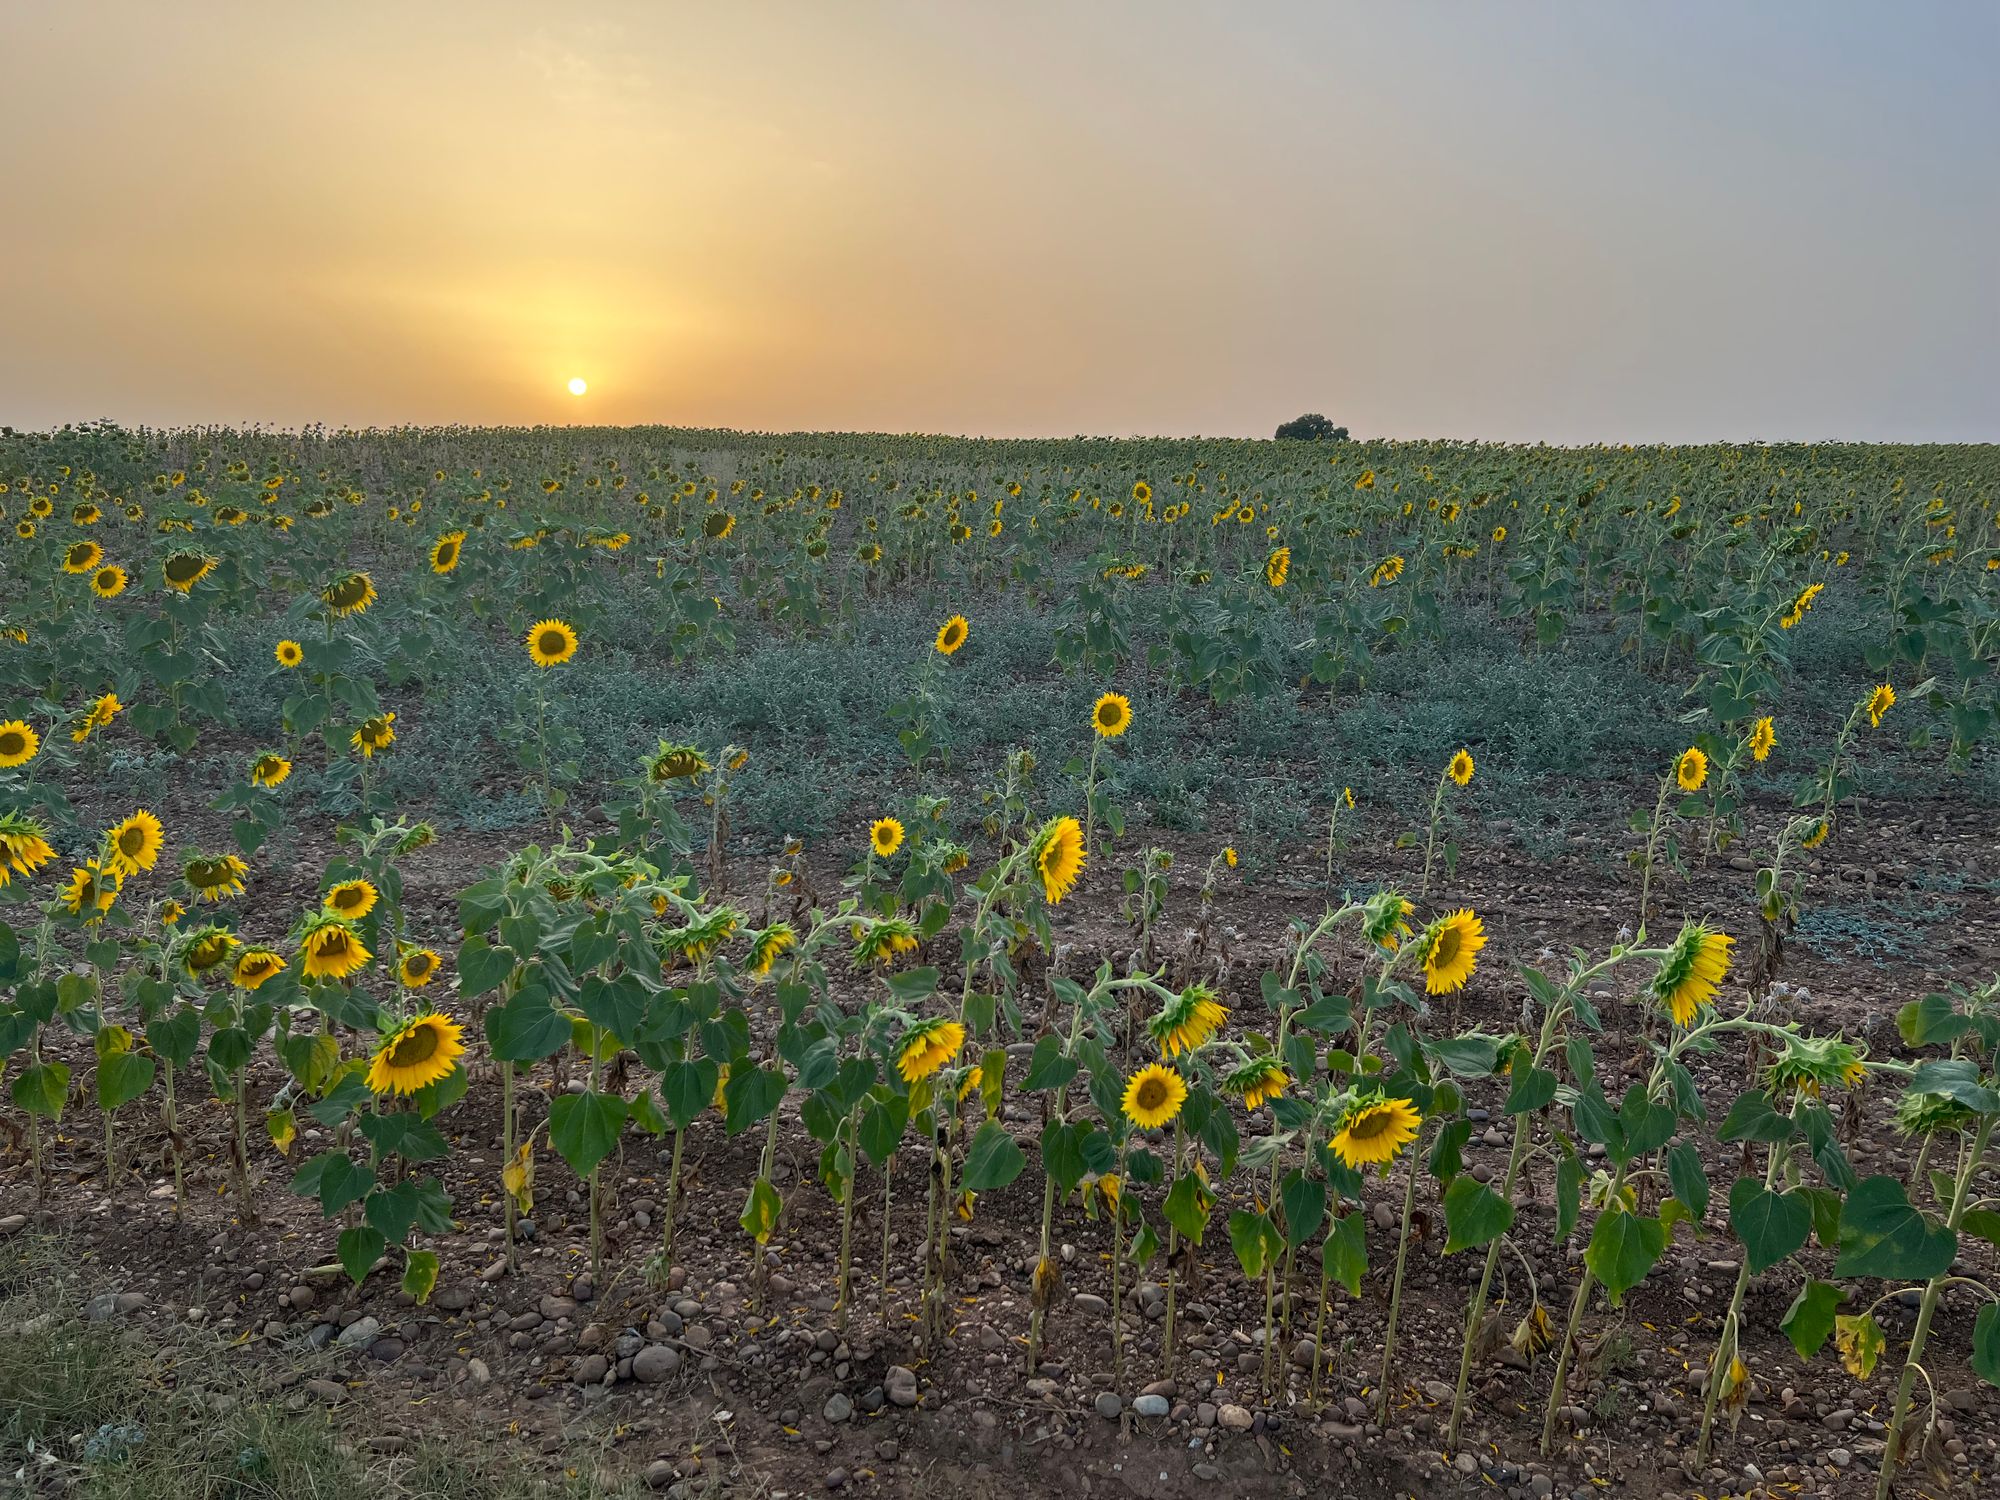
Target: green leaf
[
  {"x": 1689, "y": 1178},
  {"x": 1595, "y": 1122},
  {"x": 1062, "y": 1155},
  {"x": 1474, "y": 1215},
  {"x": 408, "y": 1136},
  {"x": 41, "y": 1089},
  {"x": 1808, "y": 1323},
  {"x": 1048, "y": 1068},
  {"x": 760, "y": 1211},
  {"x": 1986, "y": 1344},
  {"x": 175, "y": 1034},
  {"x": 123, "y": 1077},
  {"x": 1882, "y": 1235},
  {"x": 482, "y": 968},
  {"x": 1623, "y": 1248},
  {"x": 527, "y": 1028},
  {"x": 1569, "y": 1195},
  {"x": 882, "y": 1127},
  {"x": 1825, "y": 1205},
  {"x": 1770, "y": 1226},
  {"x": 10, "y": 955},
  {"x": 1474, "y": 1055},
  {"x": 1532, "y": 1088},
  {"x": 686, "y": 1087},
  {"x": 335, "y": 1179},
  {"x": 1646, "y": 1126},
  {"x": 992, "y": 1160},
  {"x": 750, "y": 1096},
  {"x": 1187, "y": 1207},
  {"x": 1751, "y": 1118},
  {"x": 1931, "y": 1019},
  {"x": 1256, "y": 1241},
  {"x": 1956, "y": 1078},
  {"x": 1344, "y": 1255},
  {"x": 1446, "y": 1162},
  {"x": 1984, "y": 1223},
  {"x": 617, "y": 1006},
  {"x": 360, "y": 1248},
  {"x": 420, "y": 1274},
  {"x": 584, "y": 1128},
  {"x": 1303, "y": 1201}
]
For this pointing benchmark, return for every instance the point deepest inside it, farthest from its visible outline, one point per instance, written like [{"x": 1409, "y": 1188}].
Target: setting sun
[{"x": 578, "y": 385}]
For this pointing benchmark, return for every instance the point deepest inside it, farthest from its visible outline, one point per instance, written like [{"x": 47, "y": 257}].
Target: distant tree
[{"x": 1312, "y": 428}]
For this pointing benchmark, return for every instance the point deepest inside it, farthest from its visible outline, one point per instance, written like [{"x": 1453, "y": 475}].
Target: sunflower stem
[
  {"x": 1117, "y": 1286},
  {"x": 1577, "y": 1304},
  {"x": 882, "y": 1282},
  {"x": 1725, "y": 1346},
  {"x": 673, "y": 1202},
  {"x": 172, "y": 1120},
  {"x": 1396, "y": 1286},
  {"x": 507, "y": 1157},
  {"x": 847, "y": 1220}
]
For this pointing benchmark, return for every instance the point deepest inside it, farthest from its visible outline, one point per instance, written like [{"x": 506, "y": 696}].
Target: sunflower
[
  {"x": 378, "y": 733},
  {"x": 1277, "y": 567},
  {"x": 269, "y": 769},
  {"x": 718, "y": 526},
  {"x": 768, "y": 946},
  {"x": 885, "y": 837},
  {"x": 19, "y": 744},
  {"x": 1817, "y": 834},
  {"x": 25, "y": 530},
  {"x": 416, "y": 1054},
  {"x": 289, "y": 654},
  {"x": 1059, "y": 857},
  {"x": 1763, "y": 737},
  {"x": 1461, "y": 768},
  {"x": 91, "y": 890},
  {"x": 1187, "y": 1020},
  {"x": 1449, "y": 950},
  {"x": 1142, "y": 492},
  {"x": 352, "y": 899},
  {"x": 215, "y": 877},
  {"x": 25, "y": 844},
  {"x": 349, "y": 594},
  {"x": 332, "y": 949},
  {"x": 885, "y": 941},
  {"x": 1800, "y": 606},
  {"x": 1112, "y": 716},
  {"x": 255, "y": 965},
  {"x": 1879, "y": 703},
  {"x": 207, "y": 947},
  {"x": 1375, "y": 1131},
  {"x": 951, "y": 635},
  {"x": 928, "y": 1046},
  {"x": 1153, "y": 1096},
  {"x": 550, "y": 643},
  {"x": 183, "y": 570},
  {"x": 870, "y": 553},
  {"x": 419, "y": 967},
  {"x": 81, "y": 557},
  {"x": 1386, "y": 572},
  {"x": 135, "y": 843},
  {"x": 676, "y": 763},
  {"x": 1258, "y": 1080},
  {"x": 108, "y": 582},
  {"x": 171, "y": 911},
  {"x": 1691, "y": 970},
  {"x": 1691, "y": 770},
  {"x": 1811, "y": 1065},
  {"x": 445, "y": 552},
  {"x": 98, "y": 716}
]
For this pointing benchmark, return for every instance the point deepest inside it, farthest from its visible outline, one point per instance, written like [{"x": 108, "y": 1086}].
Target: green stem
[
  {"x": 1576, "y": 1306},
  {"x": 1396, "y": 1287}
]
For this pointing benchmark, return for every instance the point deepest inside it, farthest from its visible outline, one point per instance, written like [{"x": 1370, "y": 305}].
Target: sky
[{"x": 1548, "y": 221}]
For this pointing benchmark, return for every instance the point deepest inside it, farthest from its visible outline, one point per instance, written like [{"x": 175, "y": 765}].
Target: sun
[{"x": 578, "y": 385}]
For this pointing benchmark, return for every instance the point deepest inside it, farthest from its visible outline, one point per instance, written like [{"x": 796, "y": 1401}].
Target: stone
[
  {"x": 591, "y": 1369},
  {"x": 1110, "y": 1406},
  {"x": 359, "y": 1334},
  {"x": 332, "y": 1392},
  {"x": 839, "y": 1407},
  {"x": 900, "y": 1385},
  {"x": 655, "y": 1363},
  {"x": 1151, "y": 1406},
  {"x": 1235, "y": 1418},
  {"x": 659, "y": 1474}
]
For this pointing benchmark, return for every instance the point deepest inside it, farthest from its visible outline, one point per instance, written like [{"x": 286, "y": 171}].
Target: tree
[{"x": 1312, "y": 428}]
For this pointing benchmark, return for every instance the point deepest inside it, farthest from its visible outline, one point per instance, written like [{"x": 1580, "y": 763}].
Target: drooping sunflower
[
  {"x": 416, "y": 1054},
  {"x": 352, "y": 899},
  {"x": 97, "y": 716},
  {"x": 1800, "y": 607},
  {"x": 183, "y": 570},
  {"x": 332, "y": 949},
  {"x": 550, "y": 642},
  {"x": 269, "y": 770},
  {"x": 289, "y": 654},
  {"x": 1258, "y": 1080},
  {"x": 109, "y": 581},
  {"x": 1059, "y": 857},
  {"x": 1153, "y": 1096},
  {"x": 445, "y": 552},
  {"x": 885, "y": 837},
  {"x": 951, "y": 635},
  {"x": 885, "y": 941},
  {"x": 1386, "y": 572},
  {"x": 255, "y": 965},
  {"x": 718, "y": 525},
  {"x": 1461, "y": 768},
  {"x": 25, "y": 843},
  {"x": 1185, "y": 1022},
  {"x": 378, "y": 733},
  {"x": 768, "y": 946},
  {"x": 91, "y": 890},
  {"x": 135, "y": 843},
  {"x": 1817, "y": 834},
  {"x": 1811, "y": 1065},
  {"x": 207, "y": 948},
  {"x": 1691, "y": 971},
  {"x": 419, "y": 967},
  {"x": 1450, "y": 951},
  {"x": 1691, "y": 770},
  {"x": 1763, "y": 738},
  {"x": 1112, "y": 716},
  {"x": 1879, "y": 703},
  {"x": 673, "y": 762},
  {"x": 1375, "y": 1131},
  {"x": 349, "y": 594},
  {"x": 928, "y": 1046},
  {"x": 1278, "y": 567},
  {"x": 19, "y": 744},
  {"x": 81, "y": 557},
  {"x": 215, "y": 877}
]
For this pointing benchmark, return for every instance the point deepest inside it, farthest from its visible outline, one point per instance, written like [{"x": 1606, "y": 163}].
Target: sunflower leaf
[
  {"x": 584, "y": 1128},
  {"x": 1474, "y": 1215},
  {"x": 992, "y": 1160}
]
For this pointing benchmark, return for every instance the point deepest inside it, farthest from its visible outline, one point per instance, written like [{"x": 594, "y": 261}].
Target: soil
[{"x": 775, "y": 1399}]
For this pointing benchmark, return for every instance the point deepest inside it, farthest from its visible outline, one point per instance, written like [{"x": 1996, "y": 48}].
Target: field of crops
[{"x": 866, "y": 962}]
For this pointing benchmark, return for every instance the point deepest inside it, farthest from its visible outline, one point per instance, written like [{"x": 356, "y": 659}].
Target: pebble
[
  {"x": 1110, "y": 1406},
  {"x": 360, "y": 1333},
  {"x": 1235, "y": 1418},
  {"x": 1151, "y": 1406},
  {"x": 839, "y": 1407},
  {"x": 654, "y": 1363},
  {"x": 900, "y": 1385}
]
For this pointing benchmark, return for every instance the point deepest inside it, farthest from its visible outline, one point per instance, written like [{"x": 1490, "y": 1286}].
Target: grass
[{"x": 101, "y": 1409}]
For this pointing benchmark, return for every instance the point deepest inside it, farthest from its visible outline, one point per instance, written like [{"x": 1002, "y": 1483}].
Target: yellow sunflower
[
  {"x": 1259, "y": 1080},
  {"x": 1763, "y": 738},
  {"x": 1278, "y": 567},
  {"x": 349, "y": 594},
  {"x": 550, "y": 643},
  {"x": 1691, "y": 770},
  {"x": 1450, "y": 951},
  {"x": 951, "y": 635},
  {"x": 98, "y": 716},
  {"x": 885, "y": 941},
  {"x": 19, "y": 744},
  {"x": 108, "y": 582},
  {"x": 1112, "y": 716},
  {"x": 255, "y": 965},
  {"x": 1059, "y": 857},
  {"x": 183, "y": 570},
  {"x": 1153, "y": 1096},
  {"x": 25, "y": 844},
  {"x": 135, "y": 843},
  {"x": 885, "y": 837},
  {"x": 1690, "y": 972},
  {"x": 1187, "y": 1020},
  {"x": 416, "y": 1054},
  {"x": 419, "y": 967},
  {"x": 91, "y": 890},
  {"x": 81, "y": 557},
  {"x": 768, "y": 946},
  {"x": 445, "y": 552},
  {"x": 1375, "y": 1132},
  {"x": 928, "y": 1046},
  {"x": 352, "y": 899},
  {"x": 215, "y": 877},
  {"x": 332, "y": 949},
  {"x": 378, "y": 733},
  {"x": 269, "y": 770},
  {"x": 289, "y": 654},
  {"x": 1461, "y": 768},
  {"x": 206, "y": 948},
  {"x": 1879, "y": 703}
]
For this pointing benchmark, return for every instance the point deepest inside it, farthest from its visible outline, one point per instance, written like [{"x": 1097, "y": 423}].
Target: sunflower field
[{"x": 1295, "y": 949}]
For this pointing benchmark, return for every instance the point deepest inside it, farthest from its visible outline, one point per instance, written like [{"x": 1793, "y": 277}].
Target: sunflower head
[
  {"x": 885, "y": 837},
  {"x": 1277, "y": 567},
  {"x": 1813, "y": 1065},
  {"x": 928, "y": 1046},
  {"x": 269, "y": 769},
  {"x": 1112, "y": 716},
  {"x": 1373, "y": 1131},
  {"x": 1763, "y": 738},
  {"x": 214, "y": 877},
  {"x": 352, "y": 899},
  {"x": 768, "y": 946},
  {"x": 951, "y": 635},
  {"x": 1461, "y": 768},
  {"x": 1449, "y": 951},
  {"x": 672, "y": 762},
  {"x": 348, "y": 594},
  {"x": 81, "y": 557},
  {"x": 19, "y": 743},
  {"x": 1258, "y": 1080},
  {"x": 134, "y": 844},
  {"x": 416, "y": 1054},
  {"x": 1153, "y": 1096},
  {"x": 206, "y": 949},
  {"x": 331, "y": 947},
  {"x": 1879, "y": 703},
  {"x": 256, "y": 965},
  {"x": 1188, "y": 1020},
  {"x": 289, "y": 654},
  {"x": 1691, "y": 971},
  {"x": 885, "y": 941},
  {"x": 418, "y": 967},
  {"x": 374, "y": 734},
  {"x": 183, "y": 570},
  {"x": 550, "y": 642},
  {"x": 1059, "y": 857},
  {"x": 24, "y": 844},
  {"x": 1691, "y": 770},
  {"x": 1922, "y": 1114},
  {"x": 91, "y": 890},
  {"x": 446, "y": 551}
]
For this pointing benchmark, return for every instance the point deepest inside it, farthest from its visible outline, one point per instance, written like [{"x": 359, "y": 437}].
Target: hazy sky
[{"x": 1532, "y": 220}]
